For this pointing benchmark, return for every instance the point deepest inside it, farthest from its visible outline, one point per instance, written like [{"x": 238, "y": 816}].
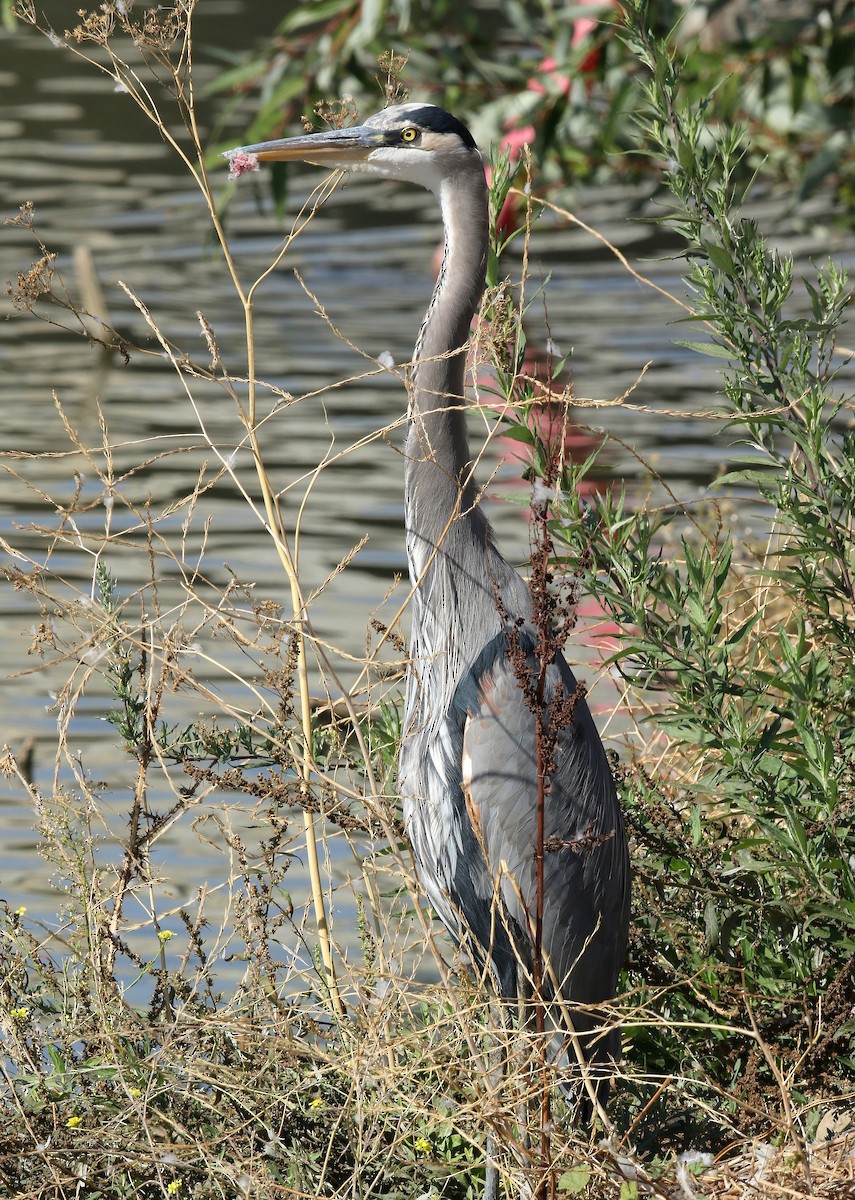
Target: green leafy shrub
[{"x": 744, "y": 841}]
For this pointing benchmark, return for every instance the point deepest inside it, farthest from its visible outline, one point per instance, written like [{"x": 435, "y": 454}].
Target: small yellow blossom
[
  {"x": 19, "y": 912},
  {"x": 423, "y": 1146},
  {"x": 172, "y": 1189},
  {"x": 317, "y": 1103},
  {"x": 20, "y": 1014},
  {"x": 136, "y": 1093},
  {"x": 165, "y": 935},
  {"x": 73, "y": 1122}
]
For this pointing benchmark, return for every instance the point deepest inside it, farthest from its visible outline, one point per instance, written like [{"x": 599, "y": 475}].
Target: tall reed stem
[{"x": 276, "y": 527}]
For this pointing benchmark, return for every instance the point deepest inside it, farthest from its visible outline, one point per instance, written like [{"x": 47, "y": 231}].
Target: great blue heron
[{"x": 468, "y": 763}]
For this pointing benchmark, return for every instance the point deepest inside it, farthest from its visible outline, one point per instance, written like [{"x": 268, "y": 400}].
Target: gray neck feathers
[
  {"x": 439, "y": 497},
  {"x": 450, "y": 547}
]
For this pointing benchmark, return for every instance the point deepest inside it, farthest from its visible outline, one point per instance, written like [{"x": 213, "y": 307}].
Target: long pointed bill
[{"x": 332, "y": 148}]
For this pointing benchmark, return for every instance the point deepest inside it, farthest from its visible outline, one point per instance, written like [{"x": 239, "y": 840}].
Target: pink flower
[{"x": 240, "y": 162}]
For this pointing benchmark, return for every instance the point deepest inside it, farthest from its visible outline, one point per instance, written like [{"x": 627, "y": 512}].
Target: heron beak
[{"x": 332, "y": 148}]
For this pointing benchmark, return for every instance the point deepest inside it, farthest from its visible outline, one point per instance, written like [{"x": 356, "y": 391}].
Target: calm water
[{"x": 101, "y": 178}]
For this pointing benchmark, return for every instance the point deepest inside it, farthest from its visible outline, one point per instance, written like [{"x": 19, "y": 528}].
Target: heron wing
[{"x": 586, "y": 875}]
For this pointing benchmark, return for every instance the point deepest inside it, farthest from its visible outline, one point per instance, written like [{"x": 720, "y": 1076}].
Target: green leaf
[
  {"x": 313, "y": 14},
  {"x": 719, "y": 257},
  {"x": 57, "y": 1060},
  {"x": 713, "y": 349},
  {"x": 746, "y": 627},
  {"x": 696, "y": 825},
  {"x": 518, "y": 433},
  {"x": 767, "y": 477},
  {"x": 575, "y": 1180}
]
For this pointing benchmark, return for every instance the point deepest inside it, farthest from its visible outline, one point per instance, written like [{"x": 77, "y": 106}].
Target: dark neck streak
[{"x": 440, "y": 495}]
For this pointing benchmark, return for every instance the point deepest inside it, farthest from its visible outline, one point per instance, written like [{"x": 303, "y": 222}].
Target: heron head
[{"x": 419, "y": 143}]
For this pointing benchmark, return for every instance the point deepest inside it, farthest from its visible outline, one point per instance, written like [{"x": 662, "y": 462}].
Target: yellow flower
[
  {"x": 20, "y": 1014},
  {"x": 165, "y": 935},
  {"x": 73, "y": 1122},
  {"x": 136, "y": 1093},
  {"x": 317, "y": 1103},
  {"x": 172, "y": 1189},
  {"x": 423, "y": 1146},
  {"x": 19, "y": 912}
]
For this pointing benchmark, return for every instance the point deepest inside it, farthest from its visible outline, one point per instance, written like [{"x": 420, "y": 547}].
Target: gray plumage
[{"x": 468, "y": 762}]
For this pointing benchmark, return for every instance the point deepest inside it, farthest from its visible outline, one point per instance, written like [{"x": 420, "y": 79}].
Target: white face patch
[{"x": 406, "y": 163}]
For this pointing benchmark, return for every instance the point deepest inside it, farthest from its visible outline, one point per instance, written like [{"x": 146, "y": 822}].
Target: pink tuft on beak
[{"x": 240, "y": 162}]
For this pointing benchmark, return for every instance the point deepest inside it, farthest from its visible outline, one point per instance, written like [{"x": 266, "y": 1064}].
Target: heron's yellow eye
[{"x": 409, "y": 134}]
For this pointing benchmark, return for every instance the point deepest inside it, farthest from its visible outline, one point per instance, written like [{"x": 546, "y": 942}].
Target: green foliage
[
  {"x": 745, "y": 845},
  {"x": 486, "y": 61},
  {"x": 510, "y": 66}
]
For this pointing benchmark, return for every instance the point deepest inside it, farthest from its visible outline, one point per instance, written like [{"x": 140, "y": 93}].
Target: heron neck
[{"x": 438, "y": 485}]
